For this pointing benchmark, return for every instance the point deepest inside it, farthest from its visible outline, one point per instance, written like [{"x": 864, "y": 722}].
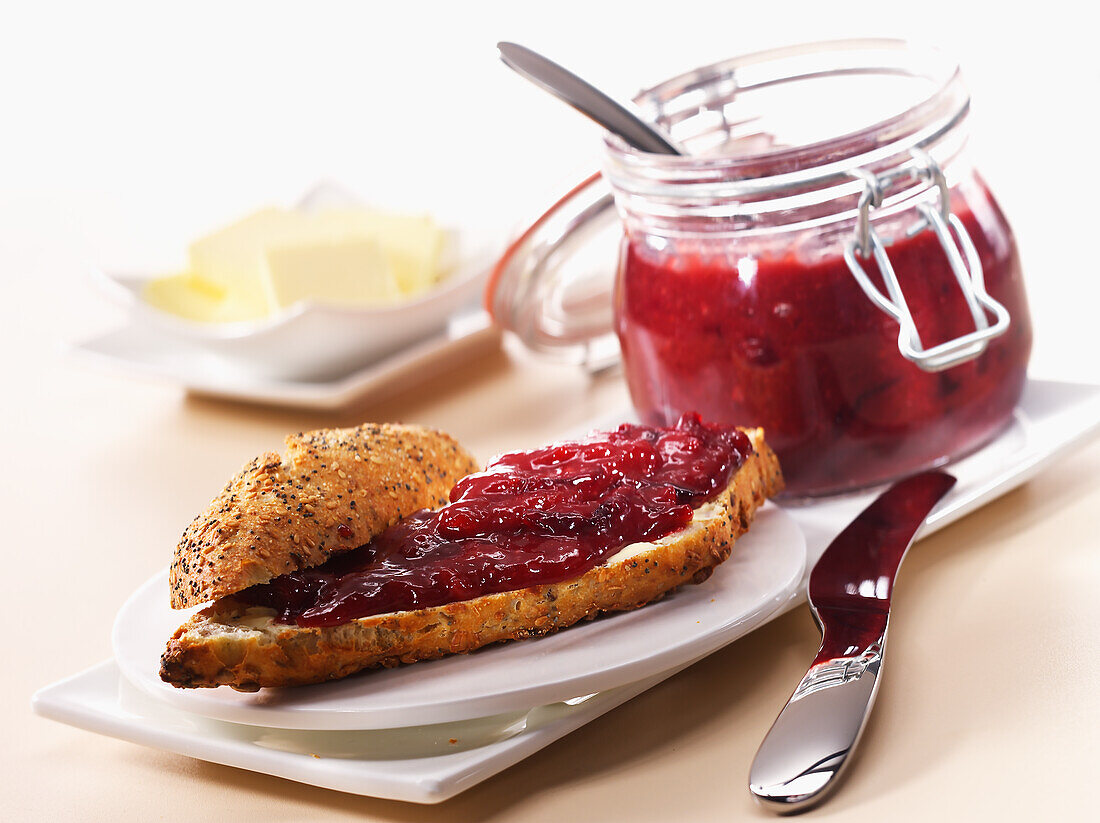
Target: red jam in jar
[
  {"x": 792, "y": 344},
  {"x": 531, "y": 518}
]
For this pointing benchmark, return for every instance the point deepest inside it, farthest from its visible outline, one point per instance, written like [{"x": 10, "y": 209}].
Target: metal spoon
[{"x": 587, "y": 99}]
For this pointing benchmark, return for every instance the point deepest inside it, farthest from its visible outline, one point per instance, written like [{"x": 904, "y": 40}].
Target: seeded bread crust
[
  {"x": 234, "y": 645},
  {"x": 333, "y": 491}
]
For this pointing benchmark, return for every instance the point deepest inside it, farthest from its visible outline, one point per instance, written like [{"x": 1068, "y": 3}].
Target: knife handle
[{"x": 808, "y": 746}]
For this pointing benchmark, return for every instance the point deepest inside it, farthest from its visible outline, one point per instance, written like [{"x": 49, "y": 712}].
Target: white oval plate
[{"x": 761, "y": 575}]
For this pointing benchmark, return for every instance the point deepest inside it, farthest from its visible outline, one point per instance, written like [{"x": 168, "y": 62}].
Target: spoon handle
[{"x": 586, "y": 98}]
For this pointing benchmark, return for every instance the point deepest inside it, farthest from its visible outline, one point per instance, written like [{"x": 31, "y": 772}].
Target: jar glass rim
[
  {"x": 699, "y": 107},
  {"x": 545, "y": 288}
]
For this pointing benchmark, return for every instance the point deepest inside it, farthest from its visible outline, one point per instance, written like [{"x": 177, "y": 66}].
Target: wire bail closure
[{"x": 968, "y": 272}]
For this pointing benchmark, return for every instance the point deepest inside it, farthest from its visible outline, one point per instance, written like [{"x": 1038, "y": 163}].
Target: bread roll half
[{"x": 244, "y": 647}]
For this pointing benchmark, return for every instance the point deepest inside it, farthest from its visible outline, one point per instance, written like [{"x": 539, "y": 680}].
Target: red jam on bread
[{"x": 531, "y": 518}]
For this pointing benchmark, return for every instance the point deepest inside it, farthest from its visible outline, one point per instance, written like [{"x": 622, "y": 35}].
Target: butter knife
[{"x": 810, "y": 742}]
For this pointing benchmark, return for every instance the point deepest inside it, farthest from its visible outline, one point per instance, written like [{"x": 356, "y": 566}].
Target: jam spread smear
[{"x": 531, "y": 518}]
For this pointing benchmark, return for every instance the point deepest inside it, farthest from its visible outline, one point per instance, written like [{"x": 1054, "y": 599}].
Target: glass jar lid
[{"x": 763, "y": 131}]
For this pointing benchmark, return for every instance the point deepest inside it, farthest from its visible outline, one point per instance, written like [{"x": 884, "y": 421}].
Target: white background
[
  {"x": 129, "y": 128},
  {"x": 126, "y": 130}
]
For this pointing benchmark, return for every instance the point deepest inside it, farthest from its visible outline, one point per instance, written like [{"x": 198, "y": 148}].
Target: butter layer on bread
[
  {"x": 334, "y": 490},
  {"x": 244, "y": 647}
]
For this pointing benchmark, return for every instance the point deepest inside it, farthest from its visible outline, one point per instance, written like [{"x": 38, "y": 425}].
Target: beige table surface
[
  {"x": 120, "y": 146},
  {"x": 989, "y": 705}
]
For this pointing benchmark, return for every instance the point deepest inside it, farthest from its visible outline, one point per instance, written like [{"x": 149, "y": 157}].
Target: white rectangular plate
[
  {"x": 101, "y": 700},
  {"x": 1052, "y": 418}
]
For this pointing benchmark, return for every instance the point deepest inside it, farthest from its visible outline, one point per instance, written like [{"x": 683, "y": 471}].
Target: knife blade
[{"x": 809, "y": 744}]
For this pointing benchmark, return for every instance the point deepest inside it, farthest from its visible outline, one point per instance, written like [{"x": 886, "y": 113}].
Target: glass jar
[{"x": 825, "y": 263}]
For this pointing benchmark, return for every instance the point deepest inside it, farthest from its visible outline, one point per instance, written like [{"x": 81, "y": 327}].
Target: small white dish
[
  {"x": 136, "y": 350},
  {"x": 616, "y": 650},
  {"x": 314, "y": 341}
]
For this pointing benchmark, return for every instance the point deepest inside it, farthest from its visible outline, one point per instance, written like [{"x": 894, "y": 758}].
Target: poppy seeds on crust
[{"x": 244, "y": 537}]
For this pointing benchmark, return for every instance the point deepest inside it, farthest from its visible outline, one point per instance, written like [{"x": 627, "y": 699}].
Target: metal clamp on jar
[{"x": 969, "y": 275}]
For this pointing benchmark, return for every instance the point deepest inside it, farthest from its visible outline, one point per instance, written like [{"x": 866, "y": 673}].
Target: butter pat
[
  {"x": 413, "y": 244},
  {"x": 274, "y": 258},
  {"x": 186, "y": 295},
  {"x": 232, "y": 258},
  {"x": 195, "y": 297},
  {"x": 352, "y": 273}
]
